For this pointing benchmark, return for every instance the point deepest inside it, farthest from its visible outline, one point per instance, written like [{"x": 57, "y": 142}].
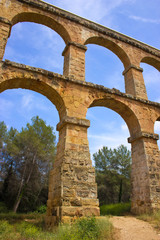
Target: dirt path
[{"x": 130, "y": 228}]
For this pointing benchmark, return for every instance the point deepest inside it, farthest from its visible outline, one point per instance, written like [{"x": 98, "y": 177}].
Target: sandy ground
[{"x": 130, "y": 228}]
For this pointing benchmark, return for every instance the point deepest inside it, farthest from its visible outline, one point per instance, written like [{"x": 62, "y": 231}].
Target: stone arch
[
  {"x": 37, "y": 85},
  {"x": 123, "y": 110},
  {"x": 44, "y": 20},
  {"x": 151, "y": 61},
  {"x": 112, "y": 46}
]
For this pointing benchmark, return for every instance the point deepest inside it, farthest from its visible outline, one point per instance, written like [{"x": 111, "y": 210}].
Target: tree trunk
[
  {"x": 22, "y": 187},
  {"x": 120, "y": 192},
  {"x": 6, "y": 182},
  {"x": 19, "y": 192},
  {"x": 18, "y": 201}
]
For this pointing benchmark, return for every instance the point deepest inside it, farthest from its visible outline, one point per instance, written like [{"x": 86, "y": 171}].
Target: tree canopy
[
  {"x": 113, "y": 169},
  {"x": 26, "y": 158}
]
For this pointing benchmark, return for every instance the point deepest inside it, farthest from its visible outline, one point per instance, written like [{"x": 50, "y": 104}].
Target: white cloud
[
  {"x": 31, "y": 101},
  {"x": 102, "y": 137},
  {"x": 91, "y": 9},
  {"x": 27, "y": 101},
  {"x": 5, "y": 108},
  {"x": 124, "y": 127},
  {"x": 151, "y": 75},
  {"x": 145, "y": 20},
  {"x": 111, "y": 140},
  {"x": 39, "y": 47},
  {"x": 157, "y": 127}
]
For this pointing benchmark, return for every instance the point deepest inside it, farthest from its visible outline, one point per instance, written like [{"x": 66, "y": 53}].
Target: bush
[
  {"x": 28, "y": 230},
  {"x": 85, "y": 229},
  {"x": 7, "y": 231},
  {"x": 5, "y": 227},
  {"x": 42, "y": 209},
  {"x": 106, "y": 228},
  {"x": 115, "y": 209},
  {"x": 3, "y": 208},
  {"x": 82, "y": 229}
]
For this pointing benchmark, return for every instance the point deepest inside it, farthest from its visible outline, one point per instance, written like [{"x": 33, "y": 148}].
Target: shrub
[
  {"x": 41, "y": 209},
  {"x": 115, "y": 209},
  {"x": 106, "y": 228},
  {"x": 3, "y": 208},
  {"x": 88, "y": 228},
  {"x": 28, "y": 230},
  {"x": 81, "y": 229},
  {"x": 7, "y": 231}
]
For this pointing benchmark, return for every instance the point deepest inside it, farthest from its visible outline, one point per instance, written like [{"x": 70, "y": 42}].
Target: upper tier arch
[
  {"x": 112, "y": 46},
  {"x": 35, "y": 83},
  {"x": 151, "y": 61},
  {"x": 122, "y": 109},
  {"x": 44, "y": 20}
]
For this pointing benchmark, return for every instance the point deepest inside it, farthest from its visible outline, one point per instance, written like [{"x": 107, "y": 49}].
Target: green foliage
[
  {"x": 41, "y": 209},
  {"x": 82, "y": 229},
  {"x": 3, "y": 132},
  {"x": 26, "y": 158},
  {"x": 7, "y": 231},
  {"x": 28, "y": 230},
  {"x": 117, "y": 160},
  {"x": 87, "y": 228},
  {"x": 5, "y": 227},
  {"x": 113, "y": 174},
  {"x": 118, "y": 209},
  {"x": 17, "y": 218},
  {"x": 3, "y": 208}
]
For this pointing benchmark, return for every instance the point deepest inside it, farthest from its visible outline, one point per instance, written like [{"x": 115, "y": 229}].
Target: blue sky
[{"x": 39, "y": 46}]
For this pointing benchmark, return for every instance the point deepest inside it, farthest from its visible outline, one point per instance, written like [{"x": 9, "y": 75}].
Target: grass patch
[
  {"x": 13, "y": 218},
  {"x": 7, "y": 231},
  {"x": 153, "y": 218},
  {"x": 82, "y": 229},
  {"x": 118, "y": 209}
]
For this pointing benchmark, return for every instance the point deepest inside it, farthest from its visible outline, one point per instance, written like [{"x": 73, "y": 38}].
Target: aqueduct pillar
[
  {"x": 74, "y": 60},
  {"x": 145, "y": 173},
  {"x": 134, "y": 82},
  {"x": 72, "y": 188}
]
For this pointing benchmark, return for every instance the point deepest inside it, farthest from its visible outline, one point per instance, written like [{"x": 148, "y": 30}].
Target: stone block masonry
[{"x": 72, "y": 187}]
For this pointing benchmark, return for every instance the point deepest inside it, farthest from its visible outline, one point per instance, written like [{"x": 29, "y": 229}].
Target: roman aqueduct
[{"x": 72, "y": 189}]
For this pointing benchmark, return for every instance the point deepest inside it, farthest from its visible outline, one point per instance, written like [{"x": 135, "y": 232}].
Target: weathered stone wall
[
  {"x": 72, "y": 188},
  {"x": 77, "y": 32},
  {"x": 145, "y": 174},
  {"x": 73, "y": 174}
]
